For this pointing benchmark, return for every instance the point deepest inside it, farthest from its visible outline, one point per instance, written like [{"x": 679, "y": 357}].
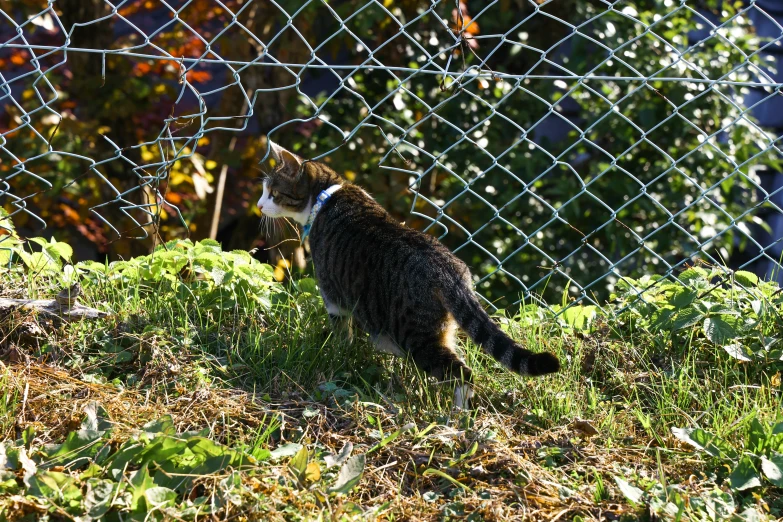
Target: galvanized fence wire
[{"x": 179, "y": 135}]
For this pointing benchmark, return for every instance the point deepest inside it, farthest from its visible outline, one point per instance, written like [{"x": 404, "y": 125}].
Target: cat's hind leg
[
  {"x": 441, "y": 361},
  {"x": 341, "y": 320}
]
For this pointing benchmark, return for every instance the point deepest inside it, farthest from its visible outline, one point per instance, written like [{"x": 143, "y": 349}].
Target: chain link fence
[{"x": 557, "y": 146}]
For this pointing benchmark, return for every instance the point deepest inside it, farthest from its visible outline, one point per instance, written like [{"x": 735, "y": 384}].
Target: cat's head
[{"x": 291, "y": 184}]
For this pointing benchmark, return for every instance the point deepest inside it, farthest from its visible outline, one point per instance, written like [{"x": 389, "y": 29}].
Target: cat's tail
[{"x": 474, "y": 320}]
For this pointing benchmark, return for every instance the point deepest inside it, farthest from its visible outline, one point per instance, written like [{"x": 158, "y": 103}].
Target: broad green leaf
[
  {"x": 298, "y": 464},
  {"x": 719, "y": 504},
  {"x": 746, "y": 279},
  {"x": 662, "y": 318},
  {"x": 96, "y": 418},
  {"x": 350, "y": 475},
  {"x": 683, "y": 297},
  {"x": 335, "y": 460},
  {"x": 55, "y": 486},
  {"x": 218, "y": 276},
  {"x": 26, "y": 463},
  {"x": 158, "y": 497},
  {"x": 286, "y": 450},
  {"x": 308, "y": 285},
  {"x": 140, "y": 482},
  {"x": 719, "y": 330},
  {"x": 97, "y": 499},
  {"x": 686, "y": 318},
  {"x": 757, "y": 436},
  {"x": 737, "y": 350},
  {"x": 704, "y": 441},
  {"x": 580, "y": 317},
  {"x": 773, "y": 468},
  {"x": 632, "y": 493},
  {"x": 83, "y": 443},
  {"x": 37, "y": 261},
  {"x": 5, "y": 257},
  {"x": 744, "y": 475},
  {"x": 59, "y": 250},
  {"x": 163, "y": 425},
  {"x": 693, "y": 275}
]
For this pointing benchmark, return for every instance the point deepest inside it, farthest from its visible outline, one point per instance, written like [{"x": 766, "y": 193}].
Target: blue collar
[{"x": 322, "y": 198}]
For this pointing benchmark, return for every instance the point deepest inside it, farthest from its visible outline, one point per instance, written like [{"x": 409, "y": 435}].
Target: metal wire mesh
[{"x": 444, "y": 46}]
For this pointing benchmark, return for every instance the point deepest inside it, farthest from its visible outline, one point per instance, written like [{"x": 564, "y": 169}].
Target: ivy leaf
[
  {"x": 721, "y": 329},
  {"x": 350, "y": 475},
  {"x": 773, "y": 469},
  {"x": 744, "y": 475}
]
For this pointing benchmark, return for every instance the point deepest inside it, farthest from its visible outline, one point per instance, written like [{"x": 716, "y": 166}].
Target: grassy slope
[{"x": 255, "y": 377}]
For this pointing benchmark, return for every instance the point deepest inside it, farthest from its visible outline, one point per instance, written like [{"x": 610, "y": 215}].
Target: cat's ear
[{"x": 284, "y": 157}]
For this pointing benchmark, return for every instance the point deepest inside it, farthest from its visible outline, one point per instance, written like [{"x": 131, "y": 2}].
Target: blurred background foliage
[{"x": 542, "y": 181}]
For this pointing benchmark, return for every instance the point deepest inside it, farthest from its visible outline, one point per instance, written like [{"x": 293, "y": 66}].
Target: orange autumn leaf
[
  {"x": 70, "y": 214},
  {"x": 199, "y": 76},
  {"x": 465, "y": 22},
  {"x": 142, "y": 69},
  {"x": 173, "y": 198},
  {"x": 17, "y": 59}
]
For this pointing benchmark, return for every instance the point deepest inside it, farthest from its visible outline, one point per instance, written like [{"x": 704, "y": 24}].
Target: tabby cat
[{"x": 400, "y": 285}]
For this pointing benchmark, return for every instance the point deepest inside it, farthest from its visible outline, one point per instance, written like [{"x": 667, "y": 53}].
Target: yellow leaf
[
  {"x": 210, "y": 164},
  {"x": 160, "y": 89},
  {"x": 203, "y": 141},
  {"x": 27, "y": 94},
  {"x": 350, "y": 175},
  {"x": 279, "y": 274},
  {"x": 146, "y": 155},
  {"x": 387, "y": 3},
  {"x": 313, "y": 472},
  {"x": 177, "y": 178}
]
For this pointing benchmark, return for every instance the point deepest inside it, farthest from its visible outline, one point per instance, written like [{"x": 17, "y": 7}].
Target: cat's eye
[{"x": 275, "y": 193}]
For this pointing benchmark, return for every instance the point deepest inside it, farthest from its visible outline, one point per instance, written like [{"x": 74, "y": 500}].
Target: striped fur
[{"x": 401, "y": 286}]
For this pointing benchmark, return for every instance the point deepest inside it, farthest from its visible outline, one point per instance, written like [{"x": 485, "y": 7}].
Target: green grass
[{"x": 244, "y": 391}]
